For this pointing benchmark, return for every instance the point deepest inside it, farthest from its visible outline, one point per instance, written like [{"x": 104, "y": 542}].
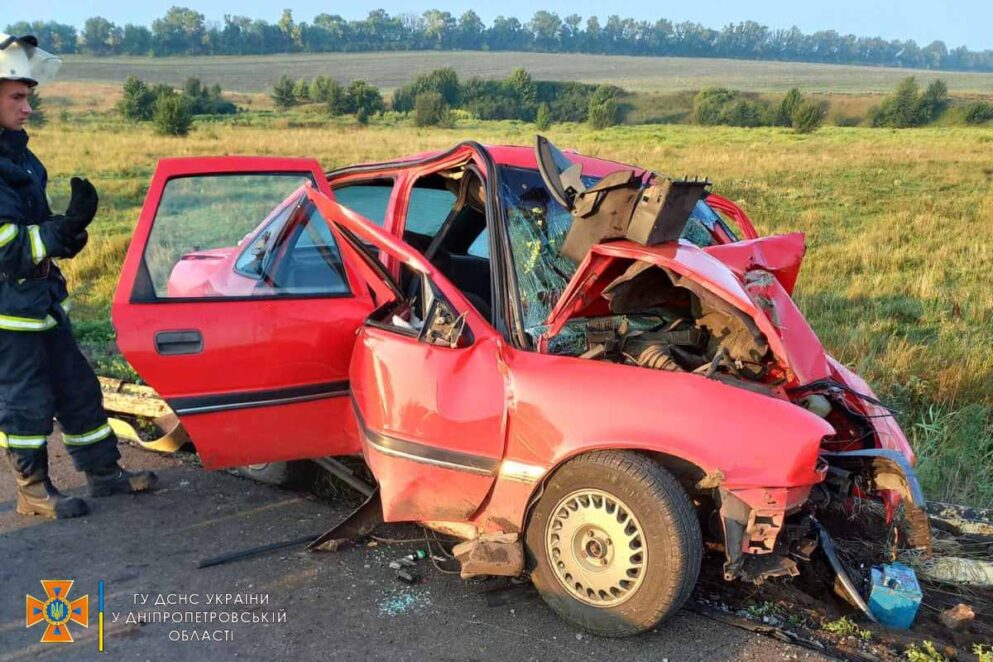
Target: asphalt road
[{"x": 346, "y": 605}]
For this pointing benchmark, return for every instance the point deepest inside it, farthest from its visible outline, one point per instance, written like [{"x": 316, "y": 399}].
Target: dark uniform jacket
[{"x": 31, "y": 286}]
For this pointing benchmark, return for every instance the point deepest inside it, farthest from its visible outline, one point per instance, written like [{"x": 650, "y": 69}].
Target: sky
[{"x": 965, "y": 22}]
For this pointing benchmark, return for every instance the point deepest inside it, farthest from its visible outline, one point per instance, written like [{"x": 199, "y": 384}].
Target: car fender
[{"x": 561, "y": 407}]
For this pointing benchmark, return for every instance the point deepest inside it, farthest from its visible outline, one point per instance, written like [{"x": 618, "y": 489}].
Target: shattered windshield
[{"x": 538, "y": 225}]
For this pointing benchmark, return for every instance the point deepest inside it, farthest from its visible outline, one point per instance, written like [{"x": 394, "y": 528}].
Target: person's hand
[
  {"x": 77, "y": 243},
  {"x": 83, "y": 203},
  {"x": 61, "y": 238}
]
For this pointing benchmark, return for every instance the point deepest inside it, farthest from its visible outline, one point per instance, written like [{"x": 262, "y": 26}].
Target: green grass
[
  {"x": 251, "y": 73},
  {"x": 896, "y": 281}
]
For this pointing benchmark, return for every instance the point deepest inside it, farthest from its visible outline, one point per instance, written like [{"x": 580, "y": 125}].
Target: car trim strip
[
  {"x": 207, "y": 404},
  {"x": 424, "y": 454}
]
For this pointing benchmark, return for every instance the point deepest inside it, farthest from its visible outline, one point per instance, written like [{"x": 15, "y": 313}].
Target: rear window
[{"x": 369, "y": 198}]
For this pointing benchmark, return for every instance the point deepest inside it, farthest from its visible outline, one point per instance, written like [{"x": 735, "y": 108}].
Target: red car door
[
  {"x": 234, "y": 303},
  {"x": 432, "y": 416}
]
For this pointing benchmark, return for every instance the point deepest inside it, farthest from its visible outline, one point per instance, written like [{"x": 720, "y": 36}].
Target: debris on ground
[
  {"x": 807, "y": 611},
  {"x": 958, "y": 618},
  {"x": 405, "y": 601},
  {"x": 894, "y": 595}
]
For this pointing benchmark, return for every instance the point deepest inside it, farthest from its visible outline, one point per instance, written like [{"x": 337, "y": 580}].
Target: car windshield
[{"x": 538, "y": 226}]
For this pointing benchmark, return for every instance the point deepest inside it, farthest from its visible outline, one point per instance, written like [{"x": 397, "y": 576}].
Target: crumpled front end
[{"x": 725, "y": 313}]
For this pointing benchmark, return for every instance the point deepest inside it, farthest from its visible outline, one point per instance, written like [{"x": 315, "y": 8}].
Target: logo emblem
[{"x": 57, "y": 610}]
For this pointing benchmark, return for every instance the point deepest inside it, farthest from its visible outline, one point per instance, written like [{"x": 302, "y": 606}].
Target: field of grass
[
  {"x": 899, "y": 224},
  {"x": 390, "y": 70}
]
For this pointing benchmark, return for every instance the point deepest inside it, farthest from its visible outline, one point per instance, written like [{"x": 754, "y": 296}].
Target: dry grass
[
  {"x": 899, "y": 225},
  {"x": 389, "y": 70}
]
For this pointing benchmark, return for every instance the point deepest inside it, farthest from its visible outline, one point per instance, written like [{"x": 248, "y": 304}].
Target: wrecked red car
[{"x": 585, "y": 369}]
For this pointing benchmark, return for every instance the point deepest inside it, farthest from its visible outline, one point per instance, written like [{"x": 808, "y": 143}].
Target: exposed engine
[{"x": 664, "y": 322}]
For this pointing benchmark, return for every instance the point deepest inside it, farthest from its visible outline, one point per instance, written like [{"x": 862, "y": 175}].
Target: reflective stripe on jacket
[{"x": 31, "y": 287}]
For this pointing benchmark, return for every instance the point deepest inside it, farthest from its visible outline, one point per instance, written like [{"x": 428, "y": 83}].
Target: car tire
[
  {"x": 281, "y": 474},
  {"x": 596, "y": 505}
]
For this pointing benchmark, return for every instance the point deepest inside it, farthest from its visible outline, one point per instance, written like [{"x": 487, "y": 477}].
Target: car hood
[{"x": 755, "y": 276}]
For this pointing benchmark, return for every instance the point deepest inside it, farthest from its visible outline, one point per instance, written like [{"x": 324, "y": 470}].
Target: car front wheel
[{"x": 614, "y": 543}]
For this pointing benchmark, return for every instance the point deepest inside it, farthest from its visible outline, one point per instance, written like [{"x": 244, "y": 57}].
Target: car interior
[{"x": 459, "y": 247}]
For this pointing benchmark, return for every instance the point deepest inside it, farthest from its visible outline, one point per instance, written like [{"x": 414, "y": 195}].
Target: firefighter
[{"x": 43, "y": 374}]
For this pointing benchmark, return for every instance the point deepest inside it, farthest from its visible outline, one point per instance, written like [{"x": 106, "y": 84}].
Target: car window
[
  {"x": 304, "y": 257},
  {"x": 481, "y": 245},
  {"x": 369, "y": 198},
  {"x": 428, "y": 209},
  {"x": 249, "y": 263},
  {"x": 200, "y": 222},
  {"x": 537, "y": 226}
]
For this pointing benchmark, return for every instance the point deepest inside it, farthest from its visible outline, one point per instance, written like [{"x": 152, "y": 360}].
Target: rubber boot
[
  {"x": 113, "y": 479},
  {"x": 37, "y": 496}
]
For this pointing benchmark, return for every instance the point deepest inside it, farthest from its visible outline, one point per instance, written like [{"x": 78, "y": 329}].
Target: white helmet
[{"x": 21, "y": 59}]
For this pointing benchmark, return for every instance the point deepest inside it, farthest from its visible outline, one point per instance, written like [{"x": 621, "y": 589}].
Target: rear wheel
[{"x": 615, "y": 543}]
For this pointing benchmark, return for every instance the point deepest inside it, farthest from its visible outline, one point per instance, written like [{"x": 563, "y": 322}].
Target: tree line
[
  {"x": 430, "y": 98},
  {"x": 184, "y": 31}
]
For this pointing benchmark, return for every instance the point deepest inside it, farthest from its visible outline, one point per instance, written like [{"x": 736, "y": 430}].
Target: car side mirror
[{"x": 444, "y": 326}]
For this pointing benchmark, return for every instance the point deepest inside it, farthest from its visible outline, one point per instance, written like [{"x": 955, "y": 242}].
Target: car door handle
[{"x": 172, "y": 343}]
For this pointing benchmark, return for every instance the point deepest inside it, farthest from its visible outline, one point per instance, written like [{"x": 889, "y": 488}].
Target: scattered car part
[
  {"x": 894, "y": 595},
  {"x": 500, "y": 554},
  {"x": 253, "y": 552},
  {"x": 359, "y": 523},
  {"x": 844, "y": 586}
]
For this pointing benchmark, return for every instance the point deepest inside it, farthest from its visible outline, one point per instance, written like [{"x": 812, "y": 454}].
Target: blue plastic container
[{"x": 894, "y": 595}]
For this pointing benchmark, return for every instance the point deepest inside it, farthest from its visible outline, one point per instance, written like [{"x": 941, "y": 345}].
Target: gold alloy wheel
[{"x": 596, "y": 547}]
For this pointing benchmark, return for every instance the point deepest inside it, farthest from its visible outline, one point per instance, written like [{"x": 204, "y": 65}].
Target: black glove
[
  {"x": 61, "y": 236},
  {"x": 83, "y": 203}
]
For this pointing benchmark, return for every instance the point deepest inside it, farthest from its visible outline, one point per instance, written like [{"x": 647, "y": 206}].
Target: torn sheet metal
[{"x": 844, "y": 586}]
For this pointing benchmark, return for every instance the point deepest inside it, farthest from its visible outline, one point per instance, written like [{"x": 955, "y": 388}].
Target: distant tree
[
  {"x": 38, "y": 117},
  {"x": 709, "y": 104},
  {"x": 523, "y": 86},
  {"x": 787, "y": 109},
  {"x": 181, "y": 30},
  {"x": 978, "y": 112},
  {"x": 444, "y": 81},
  {"x": 745, "y": 112},
  {"x": 470, "y": 31},
  {"x": 336, "y": 98},
  {"x": 172, "y": 115},
  {"x": 543, "y": 119},
  {"x": 203, "y": 101},
  {"x": 934, "y": 102},
  {"x": 908, "y": 107},
  {"x": 807, "y": 116},
  {"x": 301, "y": 90},
  {"x": 364, "y": 100},
  {"x": 603, "y": 110},
  {"x": 283, "y": 92},
  {"x": 430, "y": 109},
  {"x": 319, "y": 89},
  {"x": 136, "y": 40},
  {"x": 137, "y": 103},
  {"x": 101, "y": 37}
]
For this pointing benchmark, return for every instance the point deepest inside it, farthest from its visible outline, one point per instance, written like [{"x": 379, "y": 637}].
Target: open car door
[
  {"x": 428, "y": 382},
  {"x": 235, "y": 304}
]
